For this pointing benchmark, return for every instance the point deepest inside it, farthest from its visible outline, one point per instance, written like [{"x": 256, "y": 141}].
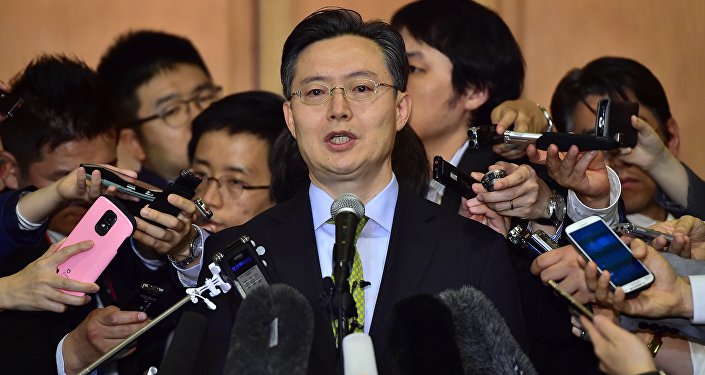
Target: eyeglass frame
[
  {"x": 193, "y": 99},
  {"x": 342, "y": 88},
  {"x": 218, "y": 183}
]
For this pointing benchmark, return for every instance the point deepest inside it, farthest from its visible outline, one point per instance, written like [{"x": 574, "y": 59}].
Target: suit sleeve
[{"x": 11, "y": 236}]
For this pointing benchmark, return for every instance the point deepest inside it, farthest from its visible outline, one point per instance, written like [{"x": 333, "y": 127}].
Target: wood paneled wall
[{"x": 241, "y": 39}]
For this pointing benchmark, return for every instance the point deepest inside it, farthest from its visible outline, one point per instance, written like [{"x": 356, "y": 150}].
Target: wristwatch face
[{"x": 558, "y": 207}]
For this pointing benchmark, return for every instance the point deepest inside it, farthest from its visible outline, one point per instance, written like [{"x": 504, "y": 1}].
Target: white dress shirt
[{"x": 371, "y": 245}]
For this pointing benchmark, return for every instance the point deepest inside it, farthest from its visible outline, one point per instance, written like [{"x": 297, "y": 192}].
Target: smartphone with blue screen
[{"x": 597, "y": 242}]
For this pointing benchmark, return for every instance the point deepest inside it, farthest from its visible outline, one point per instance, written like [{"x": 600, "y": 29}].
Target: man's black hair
[
  {"x": 63, "y": 101},
  {"x": 136, "y": 57},
  {"x": 616, "y": 78},
  {"x": 477, "y": 42},
  {"x": 255, "y": 112},
  {"x": 334, "y": 22}
]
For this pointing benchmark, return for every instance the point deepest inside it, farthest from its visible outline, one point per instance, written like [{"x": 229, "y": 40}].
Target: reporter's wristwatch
[
  {"x": 194, "y": 251},
  {"x": 556, "y": 211}
]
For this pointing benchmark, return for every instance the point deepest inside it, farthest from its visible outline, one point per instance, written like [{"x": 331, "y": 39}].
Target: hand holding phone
[
  {"x": 145, "y": 295},
  {"x": 598, "y": 243},
  {"x": 107, "y": 224},
  {"x": 582, "y": 309}
]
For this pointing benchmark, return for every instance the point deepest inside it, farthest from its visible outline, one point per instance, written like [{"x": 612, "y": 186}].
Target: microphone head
[
  {"x": 347, "y": 202},
  {"x": 486, "y": 345},
  {"x": 272, "y": 333},
  {"x": 359, "y": 355}
]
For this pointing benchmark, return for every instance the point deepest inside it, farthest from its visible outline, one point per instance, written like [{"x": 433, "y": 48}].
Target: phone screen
[{"x": 609, "y": 253}]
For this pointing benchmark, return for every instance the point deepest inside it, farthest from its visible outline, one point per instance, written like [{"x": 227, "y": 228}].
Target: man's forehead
[{"x": 343, "y": 57}]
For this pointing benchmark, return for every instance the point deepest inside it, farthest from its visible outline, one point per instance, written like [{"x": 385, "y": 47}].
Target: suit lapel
[
  {"x": 411, "y": 247},
  {"x": 297, "y": 264}
]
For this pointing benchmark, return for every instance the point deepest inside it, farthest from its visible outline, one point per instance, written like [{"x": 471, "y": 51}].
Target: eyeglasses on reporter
[
  {"x": 233, "y": 187},
  {"x": 177, "y": 113},
  {"x": 356, "y": 89}
]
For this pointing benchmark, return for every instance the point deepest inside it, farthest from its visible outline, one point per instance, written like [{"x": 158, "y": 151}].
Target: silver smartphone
[{"x": 597, "y": 242}]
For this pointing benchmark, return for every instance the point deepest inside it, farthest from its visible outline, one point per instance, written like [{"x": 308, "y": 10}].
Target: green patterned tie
[{"x": 355, "y": 280}]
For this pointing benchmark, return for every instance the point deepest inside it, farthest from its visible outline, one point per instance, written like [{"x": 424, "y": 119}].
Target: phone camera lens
[
  {"x": 106, "y": 222},
  {"x": 491, "y": 177}
]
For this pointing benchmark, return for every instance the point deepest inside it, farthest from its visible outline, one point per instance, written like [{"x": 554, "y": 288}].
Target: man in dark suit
[{"x": 409, "y": 245}]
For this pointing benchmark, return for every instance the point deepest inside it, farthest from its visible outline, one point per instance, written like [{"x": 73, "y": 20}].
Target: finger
[
  {"x": 68, "y": 299},
  {"x": 505, "y": 118},
  {"x": 63, "y": 283},
  {"x": 595, "y": 335},
  {"x": 546, "y": 260},
  {"x": 170, "y": 222},
  {"x": 60, "y": 256},
  {"x": 112, "y": 316},
  {"x": 187, "y": 208},
  {"x": 535, "y": 155},
  {"x": 553, "y": 160},
  {"x": 95, "y": 184},
  {"x": 602, "y": 291},
  {"x": 591, "y": 275},
  {"x": 151, "y": 230}
]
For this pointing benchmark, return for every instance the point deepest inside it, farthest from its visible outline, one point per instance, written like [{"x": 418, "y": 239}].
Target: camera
[{"x": 106, "y": 222}]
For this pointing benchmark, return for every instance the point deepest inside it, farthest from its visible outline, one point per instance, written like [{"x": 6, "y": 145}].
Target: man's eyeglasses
[
  {"x": 177, "y": 113},
  {"x": 232, "y": 186},
  {"x": 357, "y": 89}
]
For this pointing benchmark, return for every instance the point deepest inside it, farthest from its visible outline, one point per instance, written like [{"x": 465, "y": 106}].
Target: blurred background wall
[{"x": 241, "y": 40}]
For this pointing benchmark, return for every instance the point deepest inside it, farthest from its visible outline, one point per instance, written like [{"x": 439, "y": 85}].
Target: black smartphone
[
  {"x": 124, "y": 183},
  {"x": 613, "y": 121},
  {"x": 582, "y": 309},
  {"x": 185, "y": 186},
  {"x": 636, "y": 231},
  {"x": 143, "y": 297},
  {"x": 9, "y": 103},
  {"x": 452, "y": 178}
]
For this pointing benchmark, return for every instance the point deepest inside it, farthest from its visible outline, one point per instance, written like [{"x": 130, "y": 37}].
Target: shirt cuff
[
  {"x": 189, "y": 276},
  {"x": 151, "y": 264},
  {"x": 22, "y": 221},
  {"x": 697, "y": 285},
  {"x": 697, "y": 357},
  {"x": 578, "y": 211}
]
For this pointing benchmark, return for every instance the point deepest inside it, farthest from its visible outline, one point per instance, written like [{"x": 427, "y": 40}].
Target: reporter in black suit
[{"x": 409, "y": 245}]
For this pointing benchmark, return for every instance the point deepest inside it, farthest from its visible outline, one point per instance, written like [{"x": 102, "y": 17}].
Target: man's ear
[
  {"x": 131, "y": 155},
  {"x": 404, "y": 105},
  {"x": 289, "y": 118},
  {"x": 674, "y": 133},
  {"x": 9, "y": 171},
  {"x": 474, "y": 98}
]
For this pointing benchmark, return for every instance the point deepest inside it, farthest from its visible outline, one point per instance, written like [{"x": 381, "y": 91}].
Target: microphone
[
  {"x": 188, "y": 336},
  {"x": 485, "y": 343},
  {"x": 272, "y": 334},
  {"x": 359, "y": 355},
  {"x": 347, "y": 210}
]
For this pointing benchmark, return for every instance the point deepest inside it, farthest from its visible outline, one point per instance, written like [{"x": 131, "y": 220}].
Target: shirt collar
[{"x": 380, "y": 209}]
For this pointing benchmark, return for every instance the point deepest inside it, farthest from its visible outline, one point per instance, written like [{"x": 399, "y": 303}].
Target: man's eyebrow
[
  {"x": 230, "y": 168},
  {"x": 355, "y": 74},
  {"x": 410, "y": 54},
  {"x": 167, "y": 98}
]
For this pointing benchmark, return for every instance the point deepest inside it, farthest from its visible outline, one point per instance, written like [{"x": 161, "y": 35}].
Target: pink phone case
[{"x": 88, "y": 265}]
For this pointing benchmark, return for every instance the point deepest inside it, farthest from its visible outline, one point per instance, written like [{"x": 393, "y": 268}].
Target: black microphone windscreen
[
  {"x": 422, "y": 337},
  {"x": 486, "y": 345},
  {"x": 188, "y": 336},
  {"x": 272, "y": 333}
]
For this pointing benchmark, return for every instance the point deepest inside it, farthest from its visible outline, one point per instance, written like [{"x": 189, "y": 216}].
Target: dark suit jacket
[
  {"x": 11, "y": 236},
  {"x": 551, "y": 346},
  {"x": 430, "y": 250}
]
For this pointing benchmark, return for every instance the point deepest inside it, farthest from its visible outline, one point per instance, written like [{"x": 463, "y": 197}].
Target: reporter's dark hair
[
  {"x": 255, "y": 112},
  {"x": 136, "y": 57},
  {"x": 329, "y": 23},
  {"x": 477, "y": 42},
  {"x": 614, "y": 77},
  {"x": 63, "y": 101}
]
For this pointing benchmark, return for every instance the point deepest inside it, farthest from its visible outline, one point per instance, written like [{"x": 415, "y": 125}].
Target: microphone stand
[
  {"x": 214, "y": 286},
  {"x": 342, "y": 304}
]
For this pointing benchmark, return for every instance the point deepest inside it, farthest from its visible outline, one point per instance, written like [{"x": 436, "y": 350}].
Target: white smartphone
[{"x": 597, "y": 242}]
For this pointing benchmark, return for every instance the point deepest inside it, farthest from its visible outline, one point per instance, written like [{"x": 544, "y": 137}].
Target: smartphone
[
  {"x": 145, "y": 295},
  {"x": 9, "y": 103},
  {"x": 107, "y": 224},
  {"x": 124, "y": 183},
  {"x": 185, "y": 186},
  {"x": 614, "y": 121},
  {"x": 573, "y": 302},
  {"x": 636, "y": 231},
  {"x": 597, "y": 242},
  {"x": 452, "y": 178}
]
